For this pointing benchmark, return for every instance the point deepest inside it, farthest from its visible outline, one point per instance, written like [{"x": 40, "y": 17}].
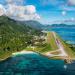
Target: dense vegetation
[
  {"x": 15, "y": 36},
  {"x": 72, "y": 46}
]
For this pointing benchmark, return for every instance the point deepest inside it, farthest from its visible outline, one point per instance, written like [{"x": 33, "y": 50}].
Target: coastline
[
  {"x": 23, "y": 52},
  {"x": 29, "y": 52},
  {"x": 5, "y": 58},
  {"x": 18, "y": 53},
  {"x": 61, "y": 49}
]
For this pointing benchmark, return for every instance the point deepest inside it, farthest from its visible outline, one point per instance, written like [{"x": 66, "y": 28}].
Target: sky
[{"x": 44, "y": 11}]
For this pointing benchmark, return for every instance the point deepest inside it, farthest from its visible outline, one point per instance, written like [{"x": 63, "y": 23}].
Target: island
[{"x": 17, "y": 37}]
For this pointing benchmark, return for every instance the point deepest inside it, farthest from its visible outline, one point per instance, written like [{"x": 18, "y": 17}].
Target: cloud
[
  {"x": 9, "y": 1},
  {"x": 68, "y": 5},
  {"x": 22, "y": 12},
  {"x": 71, "y": 2},
  {"x": 13, "y": 10},
  {"x": 30, "y": 9},
  {"x": 63, "y": 13},
  {"x": 16, "y": 2},
  {"x": 19, "y": 12},
  {"x": 72, "y": 19},
  {"x": 66, "y": 8},
  {"x": 2, "y": 10},
  {"x": 48, "y": 2}
]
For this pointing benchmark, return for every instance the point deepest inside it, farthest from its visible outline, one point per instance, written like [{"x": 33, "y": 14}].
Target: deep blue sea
[
  {"x": 66, "y": 33},
  {"x": 35, "y": 64}
]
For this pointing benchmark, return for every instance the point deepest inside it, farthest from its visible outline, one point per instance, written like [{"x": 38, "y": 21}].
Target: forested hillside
[{"x": 14, "y": 36}]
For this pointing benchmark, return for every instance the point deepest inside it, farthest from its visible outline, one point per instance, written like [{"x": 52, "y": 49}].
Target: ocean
[
  {"x": 35, "y": 64},
  {"x": 66, "y": 33}
]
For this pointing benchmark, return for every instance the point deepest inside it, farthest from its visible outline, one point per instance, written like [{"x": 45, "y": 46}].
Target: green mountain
[
  {"x": 14, "y": 35},
  {"x": 34, "y": 24}
]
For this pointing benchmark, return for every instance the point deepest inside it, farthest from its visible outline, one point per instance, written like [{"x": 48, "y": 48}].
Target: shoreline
[
  {"x": 5, "y": 58},
  {"x": 23, "y": 52},
  {"x": 19, "y": 53},
  {"x": 28, "y": 52}
]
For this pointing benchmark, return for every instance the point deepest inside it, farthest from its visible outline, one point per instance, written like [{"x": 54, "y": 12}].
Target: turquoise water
[
  {"x": 34, "y": 64},
  {"x": 67, "y": 33}
]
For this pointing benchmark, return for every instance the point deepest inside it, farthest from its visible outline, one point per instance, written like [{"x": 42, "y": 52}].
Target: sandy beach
[{"x": 23, "y": 52}]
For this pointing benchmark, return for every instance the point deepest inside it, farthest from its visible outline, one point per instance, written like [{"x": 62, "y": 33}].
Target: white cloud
[
  {"x": 19, "y": 12},
  {"x": 68, "y": 8},
  {"x": 71, "y": 2},
  {"x": 13, "y": 10},
  {"x": 30, "y": 9},
  {"x": 63, "y": 13},
  {"x": 9, "y": 1},
  {"x": 22, "y": 12},
  {"x": 19, "y": 2},
  {"x": 72, "y": 19},
  {"x": 48, "y": 2},
  {"x": 2, "y": 10}
]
